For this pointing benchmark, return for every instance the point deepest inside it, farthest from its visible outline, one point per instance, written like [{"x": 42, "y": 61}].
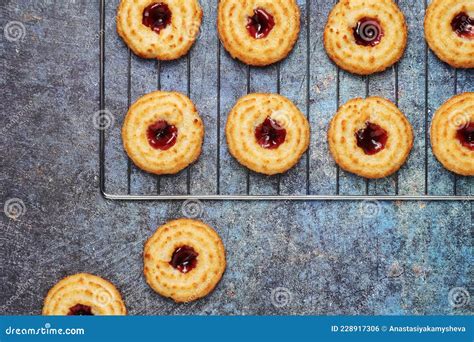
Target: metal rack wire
[{"x": 305, "y": 194}]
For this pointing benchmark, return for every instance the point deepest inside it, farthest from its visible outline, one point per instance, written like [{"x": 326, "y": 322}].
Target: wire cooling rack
[{"x": 418, "y": 84}]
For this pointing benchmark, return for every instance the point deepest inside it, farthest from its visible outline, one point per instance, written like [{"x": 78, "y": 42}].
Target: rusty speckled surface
[{"x": 330, "y": 258}]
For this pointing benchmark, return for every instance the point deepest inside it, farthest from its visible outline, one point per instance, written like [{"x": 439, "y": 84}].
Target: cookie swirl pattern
[
  {"x": 452, "y": 134},
  {"x": 184, "y": 260},
  {"x": 163, "y": 132},
  {"x": 365, "y": 36},
  {"x": 83, "y": 294},
  {"x": 258, "y": 32},
  {"x": 267, "y": 133},
  {"x": 161, "y": 29},
  {"x": 370, "y": 137},
  {"x": 449, "y": 31}
]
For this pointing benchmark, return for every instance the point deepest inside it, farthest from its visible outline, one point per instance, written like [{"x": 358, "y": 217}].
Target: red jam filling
[
  {"x": 463, "y": 25},
  {"x": 184, "y": 259},
  {"x": 260, "y": 24},
  {"x": 372, "y": 138},
  {"x": 157, "y": 16},
  {"x": 270, "y": 134},
  {"x": 80, "y": 310},
  {"x": 161, "y": 135},
  {"x": 465, "y": 136},
  {"x": 368, "y": 32}
]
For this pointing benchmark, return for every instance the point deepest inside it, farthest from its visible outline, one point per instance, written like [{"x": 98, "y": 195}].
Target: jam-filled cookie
[
  {"x": 184, "y": 260},
  {"x": 258, "y": 32},
  {"x": 161, "y": 29},
  {"x": 449, "y": 31},
  {"x": 267, "y": 133},
  {"x": 83, "y": 294},
  {"x": 365, "y": 36},
  {"x": 163, "y": 132},
  {"x": 370, "y": 137},
  {"x": 452, "y": 134}
]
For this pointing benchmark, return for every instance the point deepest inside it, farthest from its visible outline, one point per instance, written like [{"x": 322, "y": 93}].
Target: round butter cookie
[
  {"x": 365, "y": 36},
  {"x": 161, "y": 29},
  {"x": 258, "y": 32},
  {"x": 163, "y": 133},
  {"x": 452, "y": 134},
  {"x": 83, "y": 294},
  {"x": 370, "y": 137},
  {"x": 449, "y": 31},
  {"x": 184, "y": 260},
  {"x": 267, "y": 133}
]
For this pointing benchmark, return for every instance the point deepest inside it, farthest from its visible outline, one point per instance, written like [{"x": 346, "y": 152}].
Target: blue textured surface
[{"x": 334, "y": 258}]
